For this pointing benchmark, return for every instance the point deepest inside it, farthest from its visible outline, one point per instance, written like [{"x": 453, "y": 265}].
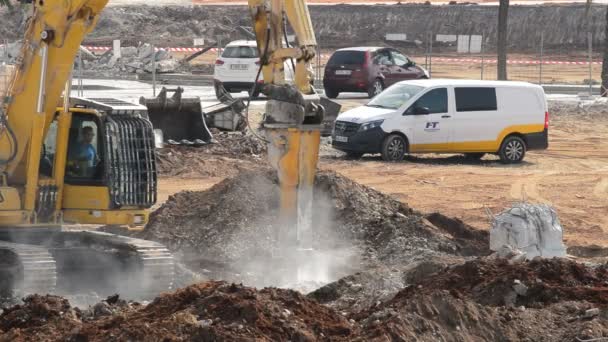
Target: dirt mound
[
  {"x": 488, "y": 299},
  {"x": 496, "y": 282},
  {"x": 442, "y": 317},
  {"x": 237, "y": 219},
  {"x": 212, "y": 311},
  {"x": 219, "y": 311}
]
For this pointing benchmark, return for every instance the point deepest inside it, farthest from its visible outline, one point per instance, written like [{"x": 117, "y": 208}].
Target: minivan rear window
[
  {"x": 240, "y": 52},
  {"x": 475, "y": 99},
  {"x": 347, "y": 57}
]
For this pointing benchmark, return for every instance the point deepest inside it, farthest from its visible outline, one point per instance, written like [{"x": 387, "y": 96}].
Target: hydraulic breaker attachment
[{"x": 293, "y": 129}]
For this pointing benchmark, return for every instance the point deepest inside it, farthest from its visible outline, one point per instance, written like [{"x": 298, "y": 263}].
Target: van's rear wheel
[
  {"x": 512, "y": 150},
  {"x": 393, "y": 148}
]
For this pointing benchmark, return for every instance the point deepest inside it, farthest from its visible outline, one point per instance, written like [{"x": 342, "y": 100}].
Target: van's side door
[
  {"x": 476, "y": 121},
  {"x": 430, "y": 119}
]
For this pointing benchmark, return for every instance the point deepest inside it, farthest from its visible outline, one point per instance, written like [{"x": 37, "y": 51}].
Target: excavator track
[
  {"x": 82, "y": 262},
  {"x": 28, "y": 269},
  {"x": 134, "y": 268}
]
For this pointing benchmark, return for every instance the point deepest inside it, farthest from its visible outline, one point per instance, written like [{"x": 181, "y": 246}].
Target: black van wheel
[
  {"x": 331, "y": 93},
  {"x": 375, "y": 88},
  {"x": 512, "y": 150},
  {"x": 394, "y": 148}
]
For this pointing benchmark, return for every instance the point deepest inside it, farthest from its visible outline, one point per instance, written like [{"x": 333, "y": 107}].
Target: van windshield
[{"x": 395, "y": 96}]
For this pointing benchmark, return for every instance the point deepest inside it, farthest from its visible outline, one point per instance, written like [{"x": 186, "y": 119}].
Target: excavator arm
[{"x": 293, "y": 117}]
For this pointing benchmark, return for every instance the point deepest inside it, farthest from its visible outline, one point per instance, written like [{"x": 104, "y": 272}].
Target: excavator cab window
[
  {"x": 85, "y": 155},
  {"x": 47, "y": 155}
]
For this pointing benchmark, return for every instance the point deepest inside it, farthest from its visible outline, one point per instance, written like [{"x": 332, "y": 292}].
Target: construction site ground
[{"x": 571, "y": 175}]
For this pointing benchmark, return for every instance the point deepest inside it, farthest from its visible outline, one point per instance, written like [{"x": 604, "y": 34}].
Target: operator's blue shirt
[{"x": 86, "y": 152}]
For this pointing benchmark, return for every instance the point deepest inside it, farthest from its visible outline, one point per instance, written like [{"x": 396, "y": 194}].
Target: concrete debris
[
  {"x": 592, "y": 313},
  {"x": 10, "y": 52},
  {"x": 532, "y": 228},
  {"x": 134, "y": 60},
  {"x": 520, "y": 288},
  {"x": 513, "y": 255}
]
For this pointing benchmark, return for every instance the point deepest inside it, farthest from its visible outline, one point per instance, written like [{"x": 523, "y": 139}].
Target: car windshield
[{"x": 395, "y": 96}]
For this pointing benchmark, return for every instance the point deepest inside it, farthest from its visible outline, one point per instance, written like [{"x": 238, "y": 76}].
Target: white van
[{"x": 447, "y": 116}]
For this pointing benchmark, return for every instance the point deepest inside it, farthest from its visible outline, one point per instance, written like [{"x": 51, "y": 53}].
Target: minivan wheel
[
  {"x": 376, "y": 88},
  {"x": 512, "y": 150},
  {"x": 331, "y": 93},
  {"x": 394, "y": 148}
]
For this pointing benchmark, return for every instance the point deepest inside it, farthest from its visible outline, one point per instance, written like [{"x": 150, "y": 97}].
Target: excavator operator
[{"x": 82, "y": 155}]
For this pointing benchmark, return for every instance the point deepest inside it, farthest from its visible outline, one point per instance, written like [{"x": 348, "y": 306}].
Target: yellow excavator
[
  {"x": 66, "y": 161},
  {"x": 63, "y": 162}
]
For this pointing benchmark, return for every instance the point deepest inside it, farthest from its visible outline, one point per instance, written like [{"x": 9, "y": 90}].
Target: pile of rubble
[
  {"x": 230, "y": 154},
  {"x": 230, "y": 230},
  {"x": 596, "y": 108},
  {"x": 140, "y": 59},
  {"x": 487, "y": 299}
]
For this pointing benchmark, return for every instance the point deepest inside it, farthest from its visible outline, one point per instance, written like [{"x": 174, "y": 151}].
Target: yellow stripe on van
[{"x": 478, "y": 146}]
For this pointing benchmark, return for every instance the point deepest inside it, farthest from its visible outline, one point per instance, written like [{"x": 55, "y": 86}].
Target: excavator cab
[{"x": 108, "y": 163}]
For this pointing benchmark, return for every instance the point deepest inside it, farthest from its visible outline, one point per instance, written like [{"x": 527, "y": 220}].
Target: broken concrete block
[
  {"x": 134, "y": 66},
  {"x": 162, "y": 55},
  {"x": 112, "y": 62},
  {"x": 128, "y": 51},
  {"x": 531, "y": 228},
  {"x": 520, "y": 288},
  {"x": 145, "y": 51},
  {"x": 168, "y": 65},
  {"x": 592, "y": 313}
]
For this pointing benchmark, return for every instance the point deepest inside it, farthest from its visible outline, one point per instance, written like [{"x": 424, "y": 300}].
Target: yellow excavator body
[{"x": 62, "y": 164}]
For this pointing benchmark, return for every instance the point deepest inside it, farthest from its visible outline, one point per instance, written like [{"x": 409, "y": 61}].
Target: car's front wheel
[{"x": 394, "y": 148}]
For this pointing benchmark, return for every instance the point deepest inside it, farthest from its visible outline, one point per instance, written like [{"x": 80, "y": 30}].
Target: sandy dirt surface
[{"x": 572, "y": 175}]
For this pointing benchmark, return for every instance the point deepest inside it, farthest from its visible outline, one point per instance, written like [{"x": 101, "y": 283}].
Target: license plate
[
  {"x": 239, "y": 66},
  {"x": 340, "y": 138},
  {"x": 343, "y": 72}
]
